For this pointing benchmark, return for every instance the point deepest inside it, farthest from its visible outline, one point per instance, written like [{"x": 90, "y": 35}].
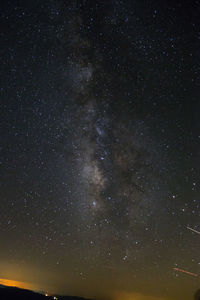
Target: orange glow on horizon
[
  {"x": 136, "y": 296},
  {"x": 15, "y": 283}
]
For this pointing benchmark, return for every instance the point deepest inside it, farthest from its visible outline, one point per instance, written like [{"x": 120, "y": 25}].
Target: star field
[{"x": 100, "y": 147}]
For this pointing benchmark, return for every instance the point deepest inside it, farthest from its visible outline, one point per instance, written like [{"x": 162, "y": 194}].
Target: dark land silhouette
[
  {"x": 197, "y": 295},
  {"x": 14, "y": 293},
  {"x": 20, "y": 294}
]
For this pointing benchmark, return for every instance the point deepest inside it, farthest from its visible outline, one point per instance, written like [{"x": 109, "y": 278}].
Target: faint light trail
[
  {"x": 186, "y": 272},
  {"x": 198, "y": 232}
]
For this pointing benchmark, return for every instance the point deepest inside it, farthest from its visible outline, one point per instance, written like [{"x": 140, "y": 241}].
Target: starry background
[{"x": 100, "y": 147}]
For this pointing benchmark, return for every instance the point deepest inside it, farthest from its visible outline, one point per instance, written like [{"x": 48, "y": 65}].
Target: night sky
[{"x": 100, "y": 155}]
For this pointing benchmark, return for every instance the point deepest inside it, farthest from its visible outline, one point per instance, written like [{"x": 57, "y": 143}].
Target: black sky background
[{"x": 100, "y": 146}]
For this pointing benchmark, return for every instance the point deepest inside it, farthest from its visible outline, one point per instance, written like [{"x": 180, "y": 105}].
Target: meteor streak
[
  {"x": 193, "y": 230},
  {"x": 184, "y": 271}
]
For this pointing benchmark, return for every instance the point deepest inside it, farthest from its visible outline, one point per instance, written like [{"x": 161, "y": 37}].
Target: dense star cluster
[{"x": 100, "y": 147}]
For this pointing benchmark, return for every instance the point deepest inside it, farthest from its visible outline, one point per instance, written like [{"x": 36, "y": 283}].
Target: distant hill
[
  {"x": 71, "y": 298},
  {"x": 14, "y": 293},
  {"x": 197, "y": 295}
]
